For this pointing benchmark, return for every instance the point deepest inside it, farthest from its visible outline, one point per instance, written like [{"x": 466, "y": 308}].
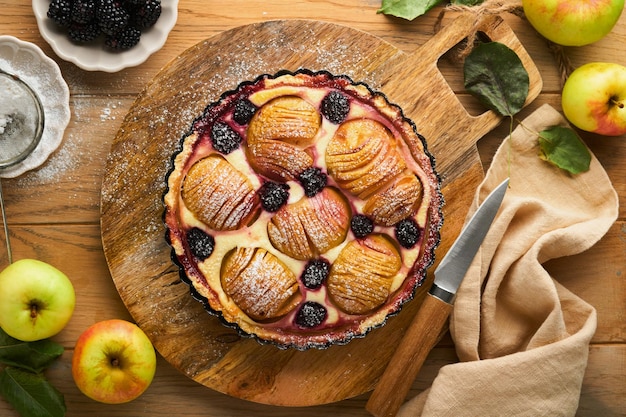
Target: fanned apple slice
[
  {"x": 311, "y": 226},
  {"x": 278, "y": 136},
  {"x": 400, "y": 200},
  {"x": 361, "y": 276},
  {"x": 361, "y": 157},
  {"x": 259, "y": 283},
  {"x": 219, "y": 195}
]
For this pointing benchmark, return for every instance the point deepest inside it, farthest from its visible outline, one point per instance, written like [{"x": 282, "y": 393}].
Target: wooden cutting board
[{"x": 138, "y": 256}]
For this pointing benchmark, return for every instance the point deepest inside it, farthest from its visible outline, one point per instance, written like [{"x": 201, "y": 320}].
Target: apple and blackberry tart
[{"x": 303, "y": 209}]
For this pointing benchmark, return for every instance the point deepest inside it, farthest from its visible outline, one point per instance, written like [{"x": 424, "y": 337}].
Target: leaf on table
[
  {"x": 496, "y": 76},
  {"x": 562, "y": 147},
  {"x": 31, "y": 394},
  {"x": 32, "y": 356},
  {"x": 407, "y": 9}
]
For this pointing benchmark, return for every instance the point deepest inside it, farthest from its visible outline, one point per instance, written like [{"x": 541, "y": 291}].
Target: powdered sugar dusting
[{"x": 75, "y": 151}]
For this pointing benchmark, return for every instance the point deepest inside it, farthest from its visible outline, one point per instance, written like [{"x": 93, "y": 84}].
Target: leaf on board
[{"x": 496, "y": 76}]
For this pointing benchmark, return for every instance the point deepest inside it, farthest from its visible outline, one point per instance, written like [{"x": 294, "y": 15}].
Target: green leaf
[
  {"x": 32, "y": 356},
  {"x": 496, "y": 76},
  {"x": 407, "y": 9},
  {"x": 31, "y": 394},
  {"x": 562, "y": 147}
]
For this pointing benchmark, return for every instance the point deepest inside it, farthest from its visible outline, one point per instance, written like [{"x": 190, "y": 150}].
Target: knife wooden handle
[{"x": 421, "y": 336}]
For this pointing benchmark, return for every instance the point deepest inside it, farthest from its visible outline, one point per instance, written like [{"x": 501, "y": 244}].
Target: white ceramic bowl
[
  {"x": 42, "y": 74},
  {"x": 97, "y": 57}
]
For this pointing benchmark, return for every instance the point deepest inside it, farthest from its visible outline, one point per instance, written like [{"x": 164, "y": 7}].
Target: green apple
[
  {"x": 573, "y": 22},
  {"x": 36, "y": 300},
  {"x": 114, "y": 362},
  {"x": 594, "y": 98}
]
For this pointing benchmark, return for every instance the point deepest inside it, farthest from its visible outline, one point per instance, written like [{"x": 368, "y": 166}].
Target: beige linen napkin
[{"x": 522, "y": 338}]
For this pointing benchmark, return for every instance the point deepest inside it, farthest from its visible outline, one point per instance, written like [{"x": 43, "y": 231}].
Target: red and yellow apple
[
  {"x": 114, "y": 362},
  {"x": 594, "y": 98},
  {"x": 36, "y": 300},
  {"x": 573, "y": 22}
]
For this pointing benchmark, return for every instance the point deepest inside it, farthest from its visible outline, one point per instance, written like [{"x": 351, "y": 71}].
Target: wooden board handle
[
  {"x": 435, "y": 108},
  {"x": 420, "y": 338}
]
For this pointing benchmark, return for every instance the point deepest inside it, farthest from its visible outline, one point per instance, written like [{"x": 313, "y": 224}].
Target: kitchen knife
[{"x": 424, "y": 331}]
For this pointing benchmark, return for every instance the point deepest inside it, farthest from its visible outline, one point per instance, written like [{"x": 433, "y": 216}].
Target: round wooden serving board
[{"x": 133, "y": 234}]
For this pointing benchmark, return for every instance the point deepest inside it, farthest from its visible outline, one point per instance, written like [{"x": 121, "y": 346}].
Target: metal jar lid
[{"x": 21, "y": 120}]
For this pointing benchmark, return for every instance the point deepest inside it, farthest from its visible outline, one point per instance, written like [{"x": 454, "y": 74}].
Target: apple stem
[
  {"x": 34, "y": 310},
  {"x": 617, "y": 103},
  {"x": 115, "y": 362}
]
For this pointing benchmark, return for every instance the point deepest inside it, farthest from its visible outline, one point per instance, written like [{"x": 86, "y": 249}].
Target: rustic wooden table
[{"x": 54, "y": 211}]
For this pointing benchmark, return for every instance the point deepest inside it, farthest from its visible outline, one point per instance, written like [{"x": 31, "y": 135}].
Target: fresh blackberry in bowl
[
  {"x": 335, "y": 107},
  {"x": 224, "y": 138},
  {"x": 112, "y": 16},
  {"x": 84, "y": 11},
  {"x": 83, "y": 32},
  {"x": 123, "y": 40},
  {"x": 121, "y": 21},
  {"x": 273, "y": 196},
  {"x": 313, "y": 180},
  {"x": 146, "y": 14},
  {"x": 60, "y": 11}
]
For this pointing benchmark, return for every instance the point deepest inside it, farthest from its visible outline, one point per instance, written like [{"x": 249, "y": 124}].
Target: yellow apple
[
  {"x": 36, "y": 300},
  {"x": 594, "y": 98},
  {"x": 114, "y": 362},
  {"x": 573, "y": 22}
]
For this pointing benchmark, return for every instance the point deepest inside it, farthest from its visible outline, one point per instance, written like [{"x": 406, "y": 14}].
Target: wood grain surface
[
  {"x": 420, "y": 336},
  {"x": 54, "y": 211},
  {"x": 134, "y": 183}
]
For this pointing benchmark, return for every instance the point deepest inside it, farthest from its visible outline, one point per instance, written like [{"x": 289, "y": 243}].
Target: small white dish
[
  {"x": 97, "y": 57},
  {"x": 42, "y": 74}
]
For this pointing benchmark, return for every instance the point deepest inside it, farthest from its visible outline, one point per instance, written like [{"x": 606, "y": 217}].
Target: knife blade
[
  {"x": 425, "y": 329},
  {"x": 454, "y": 265}
]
